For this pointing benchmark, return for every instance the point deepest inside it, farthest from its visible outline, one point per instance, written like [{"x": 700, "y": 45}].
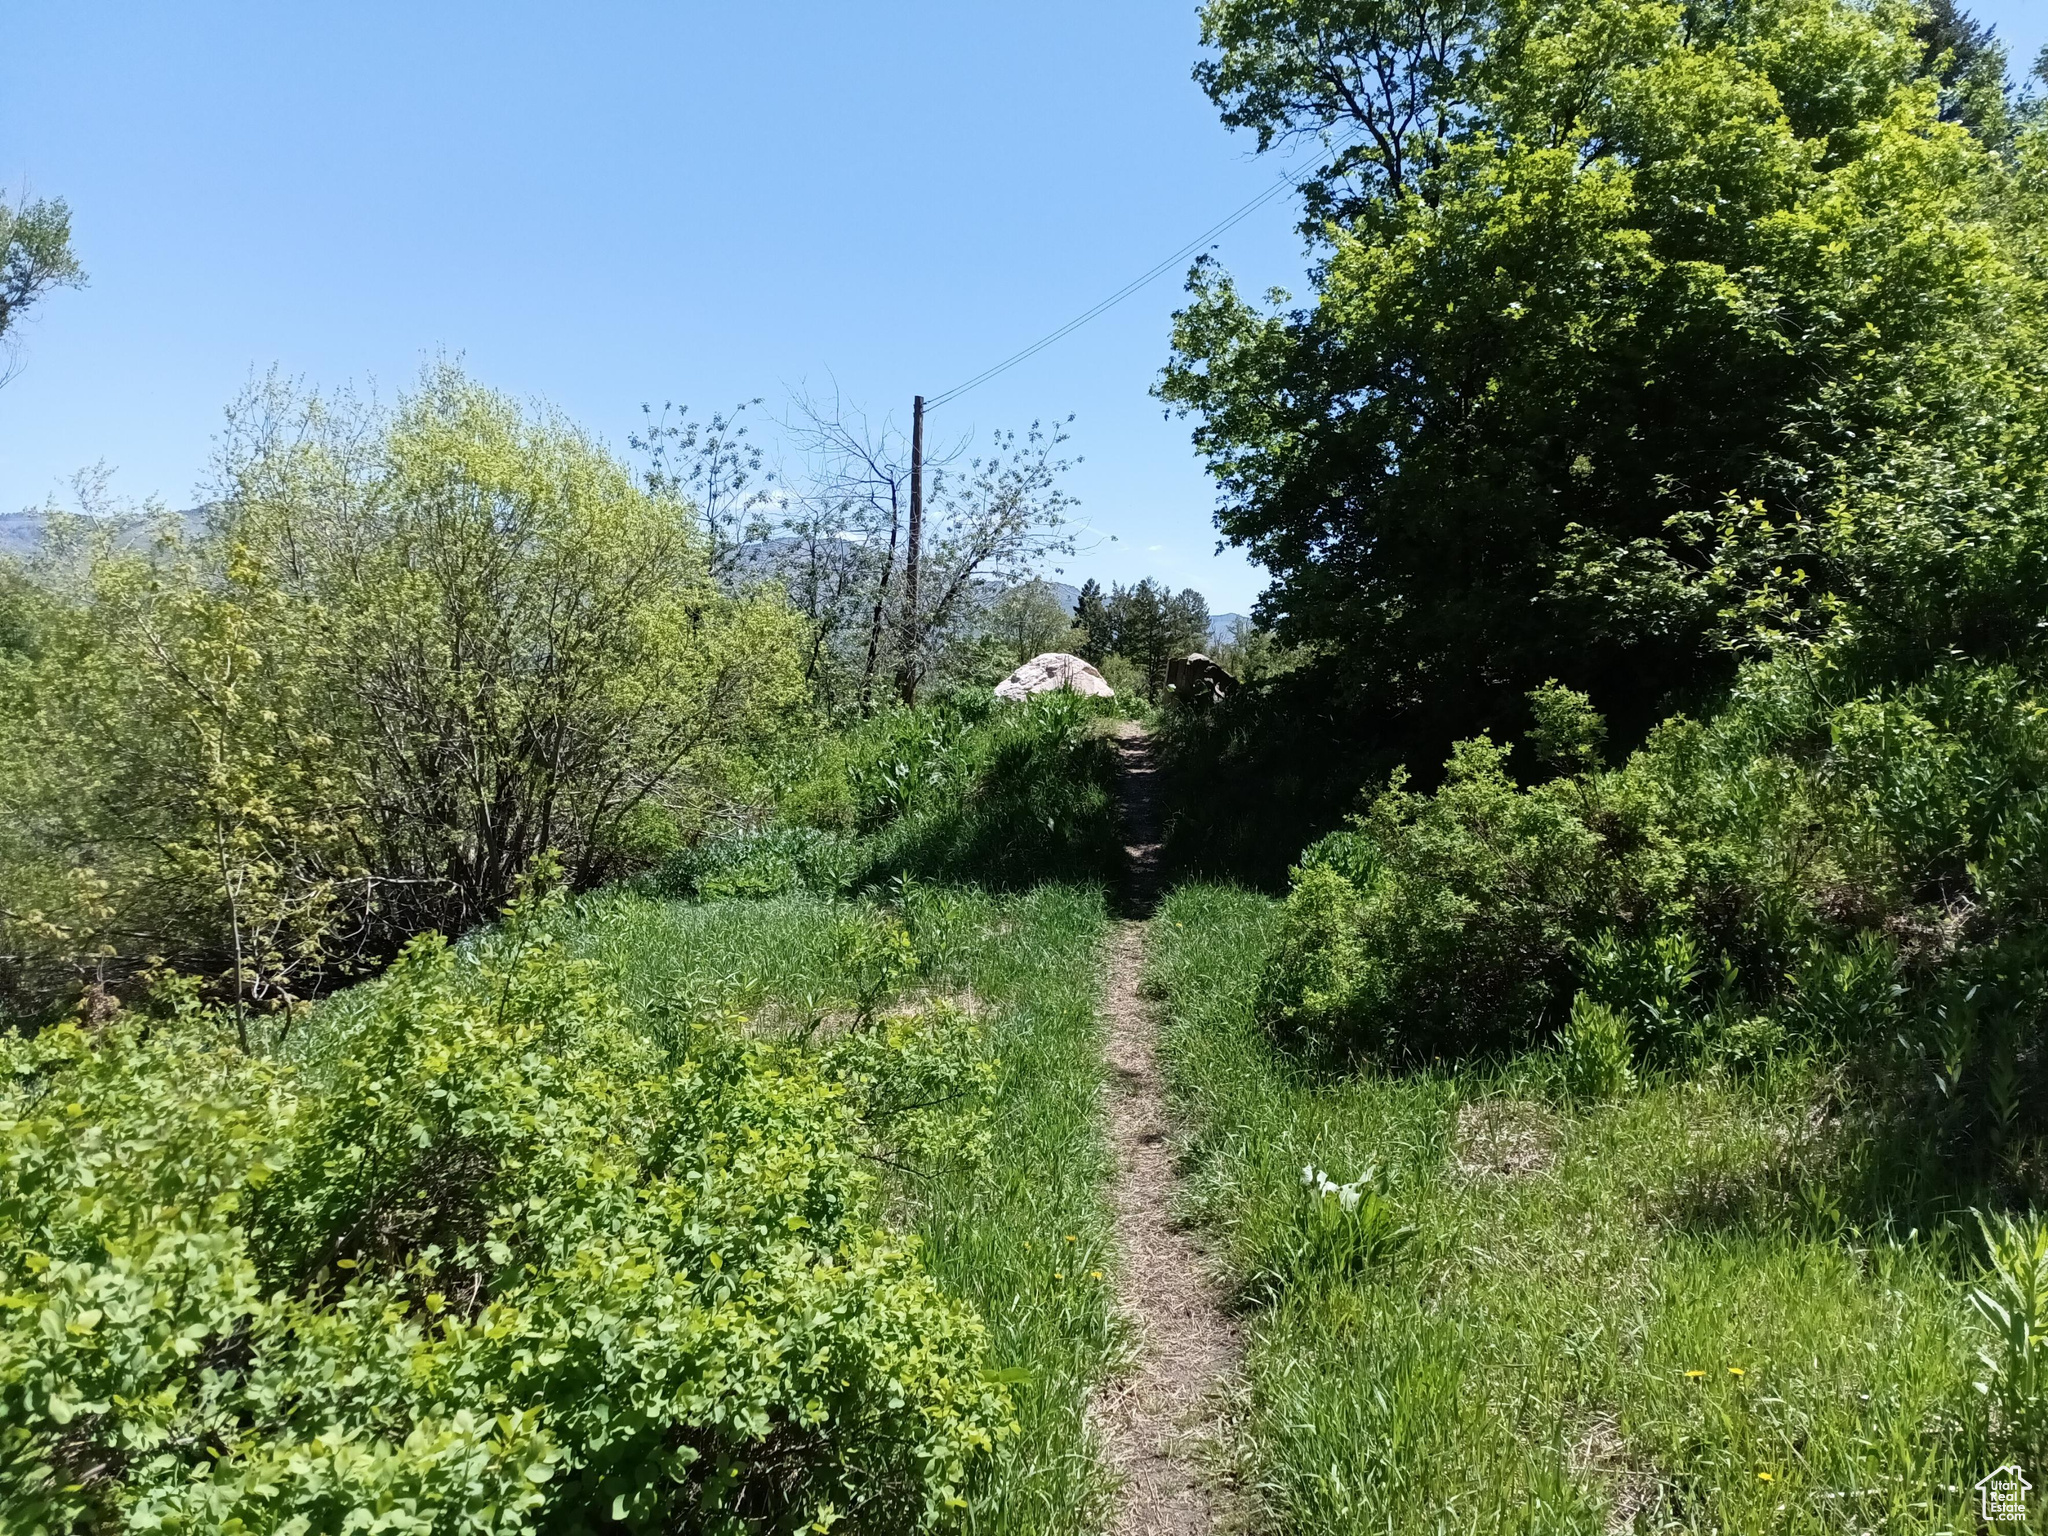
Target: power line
[{"x": 1285, "y": 184}]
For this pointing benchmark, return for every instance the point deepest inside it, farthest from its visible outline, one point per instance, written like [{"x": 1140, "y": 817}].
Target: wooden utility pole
[{"x": 906, "y": 673}]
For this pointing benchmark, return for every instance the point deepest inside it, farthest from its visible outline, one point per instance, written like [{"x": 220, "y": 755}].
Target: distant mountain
[
  {"x": 22, "y": 533},
  {"x": 1069, "y": 595},
  {"x": 1223, "y": 627}
]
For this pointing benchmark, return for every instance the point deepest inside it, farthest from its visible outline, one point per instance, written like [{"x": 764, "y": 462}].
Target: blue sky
[{"x": 614, "y": 203}]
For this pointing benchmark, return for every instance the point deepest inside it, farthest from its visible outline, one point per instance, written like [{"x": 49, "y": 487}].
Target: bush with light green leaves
[{"x": 499, "y": 1254}]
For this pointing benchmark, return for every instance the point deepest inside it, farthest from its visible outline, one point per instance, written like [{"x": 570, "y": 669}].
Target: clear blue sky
[{"x": 610, "y": 203}]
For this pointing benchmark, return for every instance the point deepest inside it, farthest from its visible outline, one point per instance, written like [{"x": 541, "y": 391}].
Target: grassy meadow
[
  {"x": 1019, "y": 1231},
  {"x": 1650, "y": 1314}
]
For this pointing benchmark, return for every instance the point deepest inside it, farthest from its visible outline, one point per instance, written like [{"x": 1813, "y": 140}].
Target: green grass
[
  {"x": 997, "y": 1235},
  {"x": 1523, "y": 1364}
]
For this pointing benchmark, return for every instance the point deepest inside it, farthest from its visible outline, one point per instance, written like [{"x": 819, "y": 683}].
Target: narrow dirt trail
[{"x": 1156, "y": 1419}]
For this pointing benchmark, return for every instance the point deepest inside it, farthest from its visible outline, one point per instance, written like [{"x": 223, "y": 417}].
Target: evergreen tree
[{"x": 1091, "y": 619}]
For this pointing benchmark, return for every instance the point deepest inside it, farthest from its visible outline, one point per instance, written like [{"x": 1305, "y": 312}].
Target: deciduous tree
[{"x": 1615, "y": 304}]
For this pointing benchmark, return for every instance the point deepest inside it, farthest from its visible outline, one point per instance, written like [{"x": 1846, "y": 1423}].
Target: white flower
[
  {"x": 1348, "y": 1198},
  {"x": 1328, "y": 1188},
  {"x": 1308, "y": 1174}
]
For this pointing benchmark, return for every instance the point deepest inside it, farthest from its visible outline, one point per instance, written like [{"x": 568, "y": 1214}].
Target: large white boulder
[{"x": 1052, "y": 672}]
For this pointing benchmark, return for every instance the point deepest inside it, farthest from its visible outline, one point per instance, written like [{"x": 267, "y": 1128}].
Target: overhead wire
[{"x": 1285, "y": 184}]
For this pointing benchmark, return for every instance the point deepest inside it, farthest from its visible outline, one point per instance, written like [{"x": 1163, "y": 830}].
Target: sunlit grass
[
  {"x": 1645, "y": 1315},
  {"x": 1026, "y": 1236}
]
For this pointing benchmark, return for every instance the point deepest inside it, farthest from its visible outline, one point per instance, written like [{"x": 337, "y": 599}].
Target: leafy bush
[
  {"x": 1458, "y": 921},
  {"x": 763, "y": 862},
  {"x": 501, "y": 1255},
  {"x": 922, "y": 1082},
  {"x": 410, "y": 653},
  {"x": 1815, "y": 868},
  {"x": 1595, "y": 1056}
]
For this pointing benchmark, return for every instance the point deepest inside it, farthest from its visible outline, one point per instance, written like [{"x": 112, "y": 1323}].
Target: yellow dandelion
[
  {"x": 1070, "y": 1237},
  {"x": 1694, "y": 1375},
  {"x": 1094, "y": 1274},
  {"x": 1057, "y": 1275},
  {"x": 1736, "y": 1370},
  {"x": 1763, "y": 1477}
]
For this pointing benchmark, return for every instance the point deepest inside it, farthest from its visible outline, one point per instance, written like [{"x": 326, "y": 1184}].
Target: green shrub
[
  {"x": 922, "y": 1082},
  {"x": 412, "y": 653},
  {"x": 1863, "y": 875},
  {"x": 1334, "y": 1233},
  {"x": 504, "y": 1255},
  {"x": 1596, "y": 1059},
  {"x": 1311, "y": 983},
  {"x": 1459, "y": 936},
  {"x": 1648, "y": 981}
]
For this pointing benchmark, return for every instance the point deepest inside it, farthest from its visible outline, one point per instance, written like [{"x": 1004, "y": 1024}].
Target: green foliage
[
  {"x": 768, "y": 861},
  {"x": 1313, "y": 979},
  {"x": 504, "y": 1253},
  {"x": 1334, "y": 1234},
  {"x": 1595, "y": 1057},
  {"x": 924, "y": 1083},
  {"x": 35, "y": 255},
  {"x": 1568, "y": 731},
  {"x": 2011, "y": 1300},
  {"x": 1814, "y": 868},
  {"x": 1647, "y": 982},
  {"x": 1630, "y": 320},
  {"x": 1262, "y": 772},
  {"x": 985, "y": 1131},
  {"x": 1028, "y": 620},
  {"x": 1148, "y": 626},
  {"x": 1091, "y": 618},
  {"x": 1457, "y": 937},
  {"x": 964, "y": 788},
  {"x": 414, "y": 651},
  {"x": 1610, "y": 1315}
]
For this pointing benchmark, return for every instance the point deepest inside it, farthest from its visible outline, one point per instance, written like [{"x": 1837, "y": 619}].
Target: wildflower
[
  {"x": 1763, "y": 1477},
  {"x": 1736, "y": 1370},
  {"x": 1057, "y": 1275},
  {"x": 1070, "y": 1237},
  {"x": 1308, "y": 1174},
  {"x": 1094, "y": 1274},
  {"x": 1694, "y": 1375},
  {"x": 1348, "y": 1198}
]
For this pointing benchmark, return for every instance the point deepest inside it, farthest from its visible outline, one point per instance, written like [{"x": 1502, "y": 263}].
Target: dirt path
[{"x": 1156, "y": 1419}]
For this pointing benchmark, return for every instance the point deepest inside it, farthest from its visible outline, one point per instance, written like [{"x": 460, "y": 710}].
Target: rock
[
  {"x": 1197, "y": 677},
  {"x": 1052, "y": 672}
]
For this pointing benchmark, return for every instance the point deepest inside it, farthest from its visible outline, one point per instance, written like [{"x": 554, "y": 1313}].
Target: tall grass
[
  {"x": 967, "y": 789},
  {"x": 1024, "y": 1235},
  {"x": 1647, "y": 1314}
]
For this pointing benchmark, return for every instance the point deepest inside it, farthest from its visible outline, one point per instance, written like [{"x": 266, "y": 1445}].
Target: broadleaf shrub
[
  {"x": 501, "y": 1255},
  {"x": 1832, "y": 863}
]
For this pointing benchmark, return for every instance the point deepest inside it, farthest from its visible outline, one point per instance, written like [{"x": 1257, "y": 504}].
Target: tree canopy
[
  {"x": 35, "y": 256},
  {"x": 1617, "y": 305}
]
